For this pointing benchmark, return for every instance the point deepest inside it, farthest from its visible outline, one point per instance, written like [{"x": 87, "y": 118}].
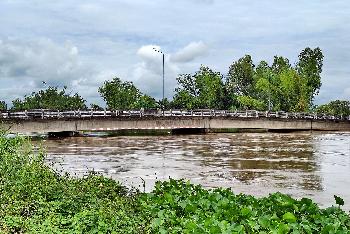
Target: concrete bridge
[{"x": 46, "y": 121}]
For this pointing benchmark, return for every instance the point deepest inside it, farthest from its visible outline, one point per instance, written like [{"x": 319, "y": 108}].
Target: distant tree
[
  {"x": 336, "y": 108},
  {"x": 240, "y": 78},
  {"x": 146, "y": 102},
  {"x": 204, "y": 89},
  {"x": 310, "y": 68},
  {"x": 95, "y": 107},
  {"x": 247, "y": 102},
  {"x": 118, "y": 94},
  {"x": 165, "y": 103},
  {"x": 123, "y": 95},
  {"x": 280, "y": 64},
  {"x": 50, "y": 98},
  {"x": 279, "y": 86},
  {"x": 3, "y": 106},
  {"x": 184, "y": 100}
]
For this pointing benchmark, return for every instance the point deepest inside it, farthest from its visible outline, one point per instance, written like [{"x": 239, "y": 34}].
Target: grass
[{"x": 36, "y": 199}]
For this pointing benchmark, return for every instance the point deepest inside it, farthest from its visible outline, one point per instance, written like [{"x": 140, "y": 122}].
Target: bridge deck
[{"x": 43, "y": 121}]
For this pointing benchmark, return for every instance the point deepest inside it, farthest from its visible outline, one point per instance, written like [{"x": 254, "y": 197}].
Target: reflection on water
[{"x": 316, "y": 165}]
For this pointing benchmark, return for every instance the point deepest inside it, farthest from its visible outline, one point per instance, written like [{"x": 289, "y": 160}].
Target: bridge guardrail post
[{"x": 42, "y": 114}]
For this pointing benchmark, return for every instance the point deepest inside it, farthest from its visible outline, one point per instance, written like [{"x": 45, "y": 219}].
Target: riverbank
[{"x": 37, "y": 199}]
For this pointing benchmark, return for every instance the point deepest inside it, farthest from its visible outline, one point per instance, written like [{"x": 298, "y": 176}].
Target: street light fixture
[{"x": 159, "y": 51}]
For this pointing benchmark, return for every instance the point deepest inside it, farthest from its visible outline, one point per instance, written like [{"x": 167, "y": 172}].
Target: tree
[
  {"x": 240, "y": 78},
  {"x": 3, "y": 106},
  {"x": 310, "y": 68},
  {"x": 165, "y": 103},
  {"x": 123, "y": 95},
  {"x": 204, "y": 89},
  {"x": 336, "y": 108},
  {"x": 279, "y": 86},
  {"x": 147, "y": 102},
  {"x": 119, "y": 94},
  {"x": 95, "y": 107},
  {"x": 280, "y": 64},
  {"x": 50, "y": 98},
  {"x": 247, "y": 102}
]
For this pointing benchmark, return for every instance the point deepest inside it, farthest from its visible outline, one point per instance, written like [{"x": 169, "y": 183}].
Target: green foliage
[
  {"x": 240, "y": 79},
  {"x": 181, "y": 207},
  {"x": 281, "y": 87},
  {"x": 36, "y": 199},
  {"x": 146, "y": 102},
  {"x": 204, "y": 89},
  {"x": 165, "y": 103},
  {"x": 50, "y": 98},
  {"x": 336, "y": 108},
  {"x": 310, "y": 68},
  {"x": 123, "y": 95},
  {"x": 249, "y": 103},
  {"x": 338, "y": 200},
  {"x": 95, "y": 107},
  {"x": 3, "y": 106}
]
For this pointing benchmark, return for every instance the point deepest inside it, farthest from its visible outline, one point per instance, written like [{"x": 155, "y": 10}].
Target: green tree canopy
[
  {"x": 204, "y": 89},
  {"x": 310, "y": 68},
  {"x": 50, "y": 98},
  {"x": 3, "y": 106},
  {"x": 336, "y": 108},
  {"x": 240, "y": 78},
  {"x": 280, "y": 86},
  {"x": 123, "y": 95}
]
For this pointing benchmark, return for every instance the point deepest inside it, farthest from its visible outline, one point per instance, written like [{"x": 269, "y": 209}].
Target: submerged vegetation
[{"x": 36, "y": 199}]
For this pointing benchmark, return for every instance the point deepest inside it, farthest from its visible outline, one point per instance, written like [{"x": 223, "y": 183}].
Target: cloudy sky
[{"x": 81, "y": 43}]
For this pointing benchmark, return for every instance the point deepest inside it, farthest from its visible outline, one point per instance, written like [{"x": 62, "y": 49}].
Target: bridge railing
[{"x": 54, "y": 114}]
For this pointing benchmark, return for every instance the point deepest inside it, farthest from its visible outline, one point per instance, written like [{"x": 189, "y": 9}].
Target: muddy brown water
[{"x": 315, "y": 165}]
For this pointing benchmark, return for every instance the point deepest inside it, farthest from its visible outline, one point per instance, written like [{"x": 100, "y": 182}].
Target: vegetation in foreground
[{"x": 36, "y": 199}]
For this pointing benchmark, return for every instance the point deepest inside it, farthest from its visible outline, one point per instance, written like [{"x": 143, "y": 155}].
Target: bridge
[{"x": 48, "y": 121}]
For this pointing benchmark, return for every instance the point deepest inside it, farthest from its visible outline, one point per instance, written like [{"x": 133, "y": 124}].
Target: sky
[{"x": 82, "y": 43}]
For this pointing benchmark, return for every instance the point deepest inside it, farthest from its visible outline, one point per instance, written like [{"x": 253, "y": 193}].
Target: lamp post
[{"x": 159, "y": 51}]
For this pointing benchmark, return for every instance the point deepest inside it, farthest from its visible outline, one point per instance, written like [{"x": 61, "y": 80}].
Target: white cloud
[
  {"x": 190, "y": 52},
  {"x": 147, "y": 74}
]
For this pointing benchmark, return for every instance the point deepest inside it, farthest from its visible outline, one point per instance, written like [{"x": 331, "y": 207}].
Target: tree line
[{"x": 280, "y": 86}]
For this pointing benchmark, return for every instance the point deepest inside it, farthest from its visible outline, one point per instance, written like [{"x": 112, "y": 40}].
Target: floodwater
[{"x": 315, "y": 165}]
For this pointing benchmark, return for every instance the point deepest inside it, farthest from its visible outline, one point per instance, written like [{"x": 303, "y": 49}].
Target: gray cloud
[
  {"x": 40, "y": 60},
  {"x": 24, "y": 65},
  {"x": 108, "y": 34}
]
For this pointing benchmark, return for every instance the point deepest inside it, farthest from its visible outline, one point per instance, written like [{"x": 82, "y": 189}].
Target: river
[{"x": 306, "y": 164}]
